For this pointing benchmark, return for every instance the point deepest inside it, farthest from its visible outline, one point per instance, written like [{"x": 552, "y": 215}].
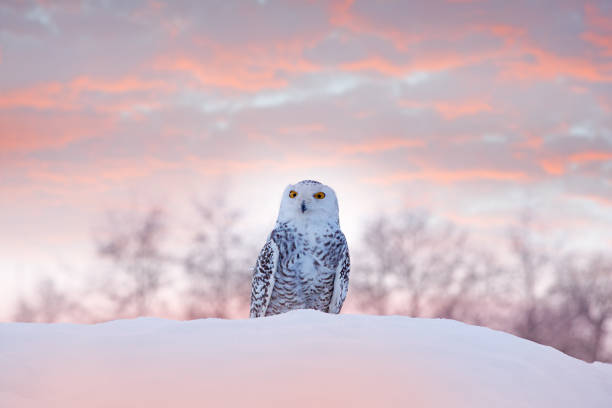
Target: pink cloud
[
  {"x": 547, "y": 65},
  {"x": 40, "y": 96},
  {"x": 584, "y": 157},
  {"x": 602, "y": 41},
  {"x": 342, "y": 16},
  {"x": 596, "y": 19},
  {"x": 450, "y": 176},
  {"x": 247, "y": 68},
  {"x": 290, "y": 162},
  {"x": 238, "y": 78},
  {"x": 69, "y": 95},
  {"x": 22, "y": 132},
  {"x": 511, "y": 58},
  {"x": 377, "y": 64},
  {"x": 557, "y": 165},
  {"x": 121, "y": 85},
  {"x": 424, "y": 62},
  {"x": 380, "y": 145},
  {"x": 451, "y": 109},
  {"x": 607, "y": 202},
  {"x": 553, "y": 166},
  {"x": 510, "y": 34},
  {"x": 532, "y": 141},
  {"x": 479, "y": 221}
]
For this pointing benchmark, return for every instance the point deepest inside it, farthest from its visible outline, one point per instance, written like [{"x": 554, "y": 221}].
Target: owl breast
[{"x": 304, "y": 278}]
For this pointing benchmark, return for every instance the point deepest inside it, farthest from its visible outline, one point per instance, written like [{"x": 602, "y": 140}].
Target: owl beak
[{"x": 303, "y": 206}]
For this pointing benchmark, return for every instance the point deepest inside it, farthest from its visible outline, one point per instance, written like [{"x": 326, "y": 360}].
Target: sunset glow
[{"x": 469, "y": 110}]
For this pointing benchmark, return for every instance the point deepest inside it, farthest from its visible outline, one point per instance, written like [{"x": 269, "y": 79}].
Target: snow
[{"x": 301, "y": 358}]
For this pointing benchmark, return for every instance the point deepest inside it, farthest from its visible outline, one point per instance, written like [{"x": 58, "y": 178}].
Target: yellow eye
[
  {"x": 293, "y": 194},
  {"x": 320, "y": 195}
]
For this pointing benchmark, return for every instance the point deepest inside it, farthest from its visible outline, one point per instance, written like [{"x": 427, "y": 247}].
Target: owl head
[{"x": 308, "y": 201}]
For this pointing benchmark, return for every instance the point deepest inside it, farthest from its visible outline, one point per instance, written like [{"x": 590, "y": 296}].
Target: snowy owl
[{"x": 305, "y": 262}]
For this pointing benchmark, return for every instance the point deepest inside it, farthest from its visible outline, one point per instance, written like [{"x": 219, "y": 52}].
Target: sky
[{"x": 469, "y": 110}]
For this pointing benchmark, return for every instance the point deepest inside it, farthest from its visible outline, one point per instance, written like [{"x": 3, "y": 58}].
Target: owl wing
[
  {"x": 341, "y": 280},
  {"x": 263, "y": 278}
]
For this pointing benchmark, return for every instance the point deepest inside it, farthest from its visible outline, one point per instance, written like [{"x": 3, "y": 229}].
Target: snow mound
[{"x": 301, "y": 358}]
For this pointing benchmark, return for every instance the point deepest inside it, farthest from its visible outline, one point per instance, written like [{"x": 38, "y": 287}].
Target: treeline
[
  {"x": 415, "y": 265},
  {"x": 554, "y": 296}
]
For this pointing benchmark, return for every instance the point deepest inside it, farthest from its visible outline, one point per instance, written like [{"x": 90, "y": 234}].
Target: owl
[{"x": 305, "y": 262}]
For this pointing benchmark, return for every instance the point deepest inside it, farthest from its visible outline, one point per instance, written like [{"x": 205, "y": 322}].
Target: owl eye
[
  {"x": 320, "y": 195},
  {"x": 293, "y": 194}
]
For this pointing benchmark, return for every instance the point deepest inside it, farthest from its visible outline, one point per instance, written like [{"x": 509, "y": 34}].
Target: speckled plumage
[{"x": 305, "y": 262}]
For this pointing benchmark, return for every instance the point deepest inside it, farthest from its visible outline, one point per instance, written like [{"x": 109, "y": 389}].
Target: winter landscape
[{"x": 455, "y": 159}]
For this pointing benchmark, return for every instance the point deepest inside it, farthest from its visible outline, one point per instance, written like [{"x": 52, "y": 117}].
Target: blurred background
[{"x": 144, "y": 146}]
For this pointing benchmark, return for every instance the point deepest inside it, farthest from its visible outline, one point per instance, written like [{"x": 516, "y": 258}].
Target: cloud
[
  {"x": 584, "y": 157},
  {"x": 343, "y": 15},
  {"x": 553, "y": 166},
  {"x": 40, "y": 96},
  {"x": 602, "y": 41},
  {"x": 604, "y": 201},
  {"x": 73, "y": 95},
  {"x": 238, "y": 78},
  {"x": 249, "y": 69},
  {"x": 534, "y": 63},
  {"x": 558, "y": 165},
  {"x": 596, "y": 18},
  {"x": 451, "y": 176},
  {"x": 453, "y": 39},
  {"x": 422, "y": 63},
  {"x": 118, "y": 86},
  {"x": 380, "y": 145},
  {"x": 452, "y": 111},
  {"x": 23, "y": 132}
]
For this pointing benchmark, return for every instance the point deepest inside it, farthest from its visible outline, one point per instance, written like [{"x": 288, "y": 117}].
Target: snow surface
[{"x": 301, "y": 358}]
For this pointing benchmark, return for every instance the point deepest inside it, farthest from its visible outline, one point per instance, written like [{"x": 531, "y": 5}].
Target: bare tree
[
  {"x": 412, "y": 266},
  {"x": 564, "y": 299},
  {"x": 474, "y": 293},
  {"x": 50, "y": 304},
  {"x": 217, "y": 264},
  {"x": 138, "y": 264},
  {"x": 585, "y": 287},
  {"x": 374, "y": 275},
  {"x": 532, "y": 270}
]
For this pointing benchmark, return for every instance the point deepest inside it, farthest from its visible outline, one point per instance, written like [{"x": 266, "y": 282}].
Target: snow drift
[{"x": 302, "y": 358}]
